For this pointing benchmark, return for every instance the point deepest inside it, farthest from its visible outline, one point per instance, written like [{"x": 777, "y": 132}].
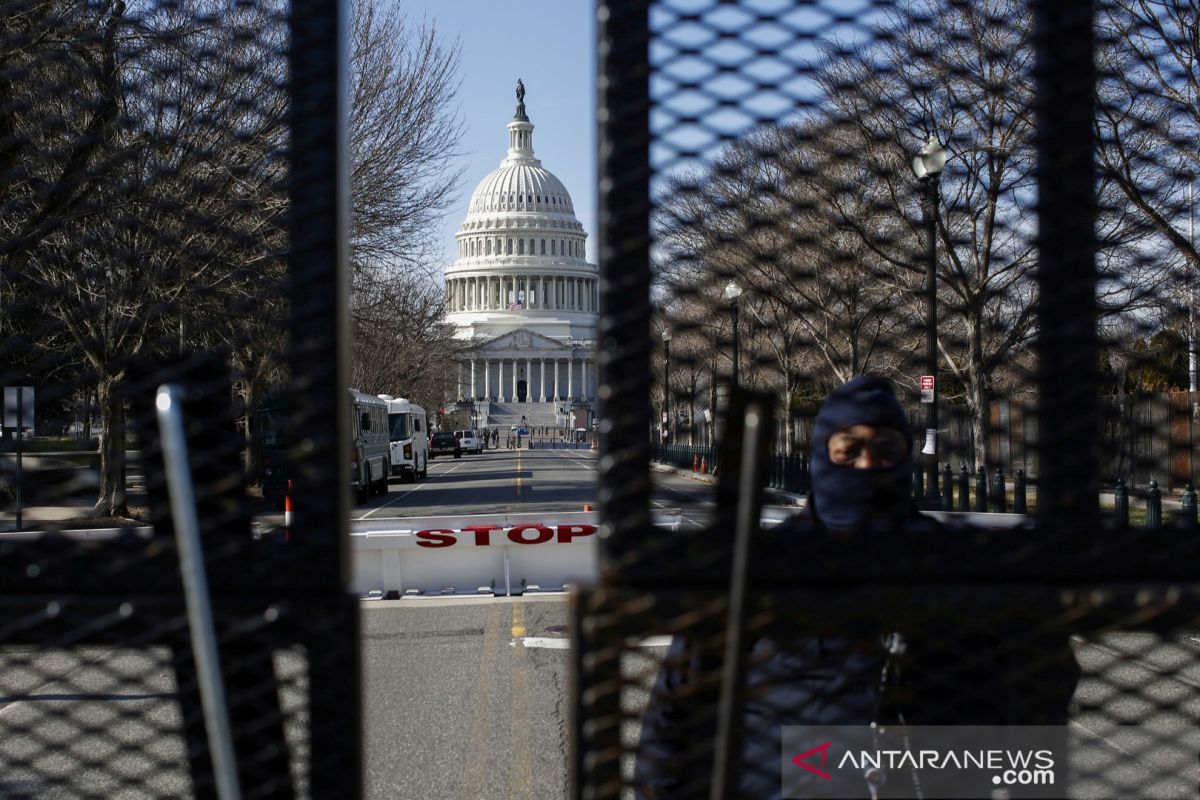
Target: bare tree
[
  {"x": 404, "y": 135},
  {"x": 1147, "y": 124},
  {"x": 181, "y": 220}
]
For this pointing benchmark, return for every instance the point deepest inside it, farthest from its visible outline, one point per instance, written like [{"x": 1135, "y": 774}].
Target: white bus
[
  {"x": 368, "y": 446},
  {"x": 408, "y": 431}
]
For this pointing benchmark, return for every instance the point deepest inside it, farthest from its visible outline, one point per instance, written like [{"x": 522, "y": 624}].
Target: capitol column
[
  {"x": 460, "y": 380},
  {"x": 542, "y": 370},
  {"x": 474, "y": 394},
  {"x": 570, "y": 376},
  {"x": 487, "y": 379},
  {"x": 513, "y": 397},
  {"x": 528, "y": 379}
]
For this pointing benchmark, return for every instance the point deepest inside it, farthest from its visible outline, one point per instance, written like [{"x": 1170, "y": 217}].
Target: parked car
[
  {"x": 469, "y": 441},
  {"x": 443, "y": 443}
]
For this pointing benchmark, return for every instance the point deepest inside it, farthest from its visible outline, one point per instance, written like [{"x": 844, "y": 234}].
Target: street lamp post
[
  {"x": 927, "y": 166},
  {"x": 666, "y": 417},
  {"x": 732, "y": 293}
]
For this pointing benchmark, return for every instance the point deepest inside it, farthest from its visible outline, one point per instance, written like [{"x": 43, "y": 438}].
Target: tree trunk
[
  {"x": 112, "y": 501},
  {"x": 978, "y": 391}
]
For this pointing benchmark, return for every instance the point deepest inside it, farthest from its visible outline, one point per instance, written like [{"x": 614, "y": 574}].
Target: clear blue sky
[{"x": 550, "y": 45}]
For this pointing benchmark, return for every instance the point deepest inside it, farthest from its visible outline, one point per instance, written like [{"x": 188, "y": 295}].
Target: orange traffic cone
[
  {"x": 287, "y": 514},
  {"x": 704, "y": 464},
  {"x": 695, "y": 462}
]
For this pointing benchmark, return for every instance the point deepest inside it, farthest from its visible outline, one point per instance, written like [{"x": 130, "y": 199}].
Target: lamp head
[
  {"x": 930, "y": 162},
  {"x": 732, "y": 291}
]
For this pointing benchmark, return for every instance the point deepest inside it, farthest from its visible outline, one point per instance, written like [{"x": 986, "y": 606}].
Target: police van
[{"x": 408, "y": 432}]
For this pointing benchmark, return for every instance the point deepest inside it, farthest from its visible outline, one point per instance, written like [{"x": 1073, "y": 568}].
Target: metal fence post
[
  {"x": 1019, "y": 506},
  {"x": 964, "y": 489},
  {"x": 948, "y": 488},
  {"x": 1187, "y": 514},
  {"x": 981, "y": 489},
  {"x": 999, "y": 493},
  {"x": 1153, "y": 506},
  {"x": 1121, "y": 505}
]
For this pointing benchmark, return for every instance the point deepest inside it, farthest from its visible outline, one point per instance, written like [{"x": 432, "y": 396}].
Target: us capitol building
[{"x": 522, "y": 296}]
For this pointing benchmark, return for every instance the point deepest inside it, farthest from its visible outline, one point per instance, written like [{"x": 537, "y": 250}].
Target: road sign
[{"x": 927, "y": 384}]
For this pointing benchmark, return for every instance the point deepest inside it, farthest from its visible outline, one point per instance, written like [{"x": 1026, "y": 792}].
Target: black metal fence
[
  {"x": 172, "y": 214},
  {"x": 775, "y": 204}
]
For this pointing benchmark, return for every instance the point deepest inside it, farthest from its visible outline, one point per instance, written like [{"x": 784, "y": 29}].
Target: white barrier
[
  {"x": 507, "y": 554},
  {"x": 502, "y": 554}
]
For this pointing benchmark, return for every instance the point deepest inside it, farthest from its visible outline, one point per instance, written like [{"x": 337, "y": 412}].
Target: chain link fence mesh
[
  {"x": 996, "y": 195},
  {"x": 170, "y": 215}
]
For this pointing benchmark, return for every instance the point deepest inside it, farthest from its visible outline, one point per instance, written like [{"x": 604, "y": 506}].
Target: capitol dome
[{"x": 521, "y": 293}]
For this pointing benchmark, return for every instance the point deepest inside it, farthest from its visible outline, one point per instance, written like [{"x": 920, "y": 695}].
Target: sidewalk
[
  {"x": 775, "y": 497},
  {"x": 73, "y": 514}
]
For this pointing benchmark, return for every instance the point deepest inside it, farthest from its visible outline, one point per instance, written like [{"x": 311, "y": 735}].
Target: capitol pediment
[{"x": 521, "y": 340}]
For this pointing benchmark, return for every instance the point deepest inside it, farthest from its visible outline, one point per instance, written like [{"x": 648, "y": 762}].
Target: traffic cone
[
  {"x": 695, "y": 462},
  {"x": 704, "y": 464},
  {"x": 287, "y": 514}
]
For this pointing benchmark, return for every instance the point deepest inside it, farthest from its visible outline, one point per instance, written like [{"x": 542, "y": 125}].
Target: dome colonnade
[{"x": 528, "y": 291}]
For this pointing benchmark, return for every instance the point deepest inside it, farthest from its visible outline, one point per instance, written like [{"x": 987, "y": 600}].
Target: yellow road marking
[
  {"x": 518, "y": 619},
  {"x": 520, "y": 779},
  {"x": 475, "y": 766}
]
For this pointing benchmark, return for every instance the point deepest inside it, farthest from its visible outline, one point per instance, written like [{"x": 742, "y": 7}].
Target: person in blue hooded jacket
[{"x": 861, "y": 484}]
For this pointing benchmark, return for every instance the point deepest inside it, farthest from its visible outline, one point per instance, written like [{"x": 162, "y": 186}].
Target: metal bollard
[
  {"x": 1153, "y": 506},
  {"x": 964, "y": 490},
  {"x": 1187, "y": 514},
  {"x": 1121, "y": 505},
  {"x": 999, "y": 493},
  {"x": 1019, "y": 506},
  {"x": 981, "y": 490},
  {"x": 947, "y": 488}
]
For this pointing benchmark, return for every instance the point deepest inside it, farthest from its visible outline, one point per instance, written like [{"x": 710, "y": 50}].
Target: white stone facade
[{"x": 522, "y": 295}]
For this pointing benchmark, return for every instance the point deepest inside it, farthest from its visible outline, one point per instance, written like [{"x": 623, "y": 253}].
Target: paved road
[
  {"x": 499, "y": 481},
  {"x": 458, "y": 706}
]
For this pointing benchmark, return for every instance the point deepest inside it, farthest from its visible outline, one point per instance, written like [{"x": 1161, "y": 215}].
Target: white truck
[{"x": 408, "y": 432}]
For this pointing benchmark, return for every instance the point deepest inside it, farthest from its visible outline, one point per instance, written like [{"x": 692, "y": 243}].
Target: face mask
[
  {"x": 844, "y": 497},
  {"x": 849, "y": 499}
]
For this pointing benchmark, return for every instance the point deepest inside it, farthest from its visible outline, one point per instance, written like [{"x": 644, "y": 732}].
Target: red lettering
[
  {"x": 566, "y": 533},
  {"x": 439, "y": 537},
  {"x": 483, "y": 533},
  {"x": 516, "y": 535}
]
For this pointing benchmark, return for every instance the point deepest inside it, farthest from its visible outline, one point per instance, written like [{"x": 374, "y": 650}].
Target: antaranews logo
[
  {"x": 802, "y": 760},
  {"x": 934, "y": 762}
]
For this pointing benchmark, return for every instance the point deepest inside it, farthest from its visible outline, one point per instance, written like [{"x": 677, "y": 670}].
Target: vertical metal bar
[
  {"x": 623, "y": 50},
  {"x": 20, "y": 426},
  {"x": 728, "y": 750},
  {"x": 195, "y": 590},
  {"x": 1068, "y": 373},
  {"x": 318, "y": 229}
]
